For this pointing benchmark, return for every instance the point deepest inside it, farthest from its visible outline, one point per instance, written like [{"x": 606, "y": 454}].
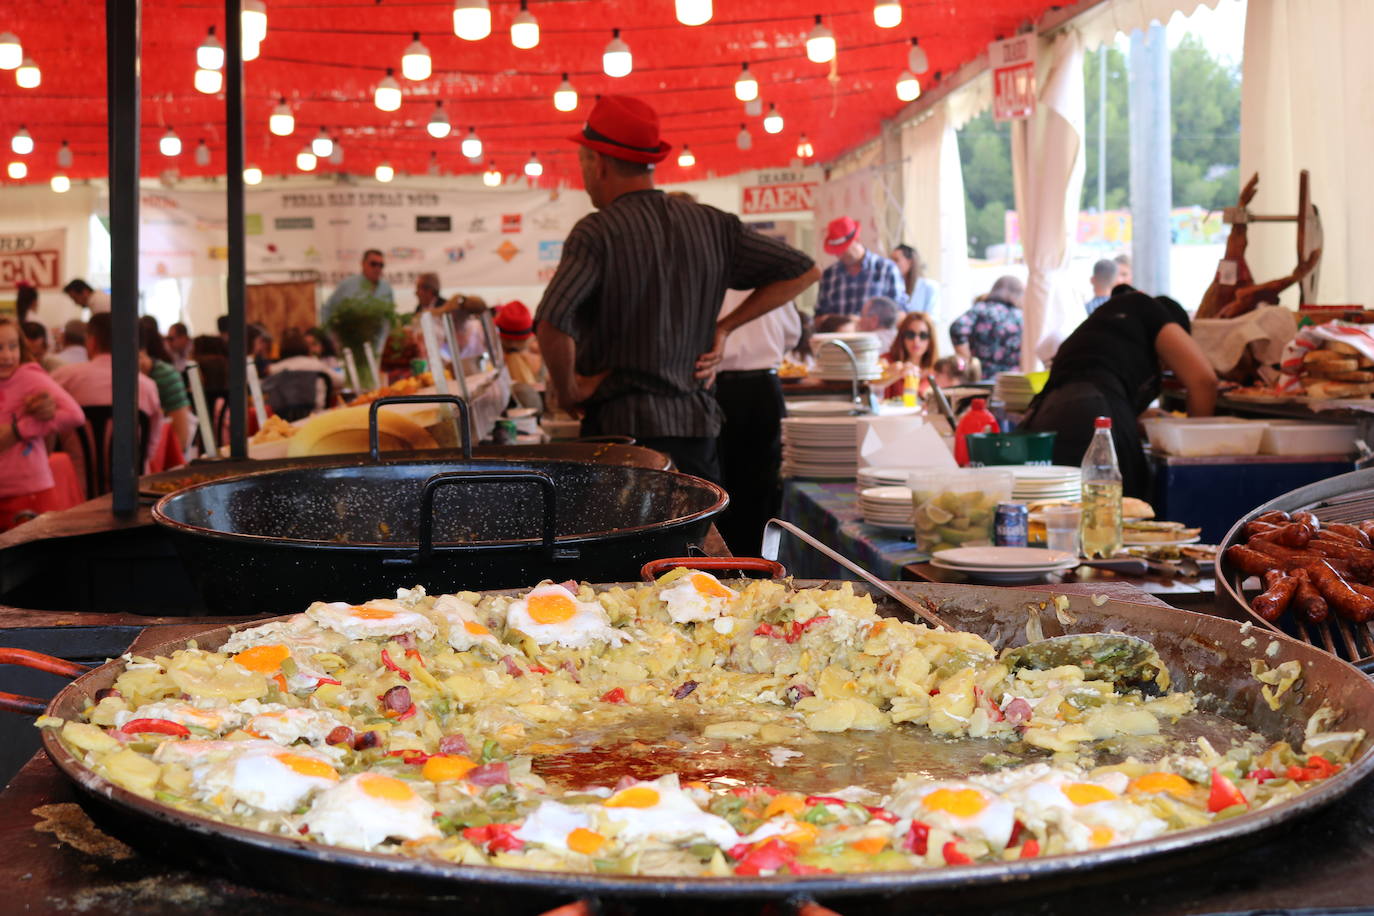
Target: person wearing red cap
[
  {"x": 628, "y": 326},
  {"x": 515, "y": 325},
  {"x": 858, "y": 275}
]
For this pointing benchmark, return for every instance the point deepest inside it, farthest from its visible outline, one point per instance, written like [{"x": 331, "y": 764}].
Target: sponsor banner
[
  {"x": 1013, "y": 77},
  {"x": 32, "y": 257},
  {"x": 433, "y": 224}
]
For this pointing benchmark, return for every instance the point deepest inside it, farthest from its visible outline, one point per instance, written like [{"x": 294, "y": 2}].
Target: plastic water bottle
[
  {"x": 977, "y": 420},
  {"x": 1101, "y": 525}
]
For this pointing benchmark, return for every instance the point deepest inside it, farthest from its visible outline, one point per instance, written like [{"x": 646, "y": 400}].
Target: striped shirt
[
  {"x": 844, "y": 293},
  {"x": 638, "y": 289}
]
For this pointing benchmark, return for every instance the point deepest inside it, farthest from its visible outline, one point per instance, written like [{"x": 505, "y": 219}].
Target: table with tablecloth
[{"x": 829, "y": 510}]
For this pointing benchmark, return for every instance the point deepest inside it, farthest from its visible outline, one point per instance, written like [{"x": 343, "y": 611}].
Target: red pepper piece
[
  {"x": 156, "y": 726},
  {"x": 407, "y": 714},
  {"x": 1224, "y": 793},
  {"x": 881, "y": 814},
  {"x": 765, "y": 629},
  {"x": 413, "y": 758},
  {"x": 1261, "y": 776},
  {"x": 614, "y": 695},
  {"x": 392, "y": 666},
  {"x": 1031, "y": 850},
  {"x": 281, "y": 682},
  {"x": 415, "y": 654},
  {"x": 917, "y": 838},
  {"x": 952, "y": 854},
  {"x": 495, "y": 837},
  {"x": 1016, "y": 828},
  {"x": 539, "y": 669},
  {"x": 799, "y": 628},
  {"x": 825, "y": 800},
  {"x": 935, "y": 691},
  {"x": 770, "y": 855},
  {"x": 320, "y": 682}
]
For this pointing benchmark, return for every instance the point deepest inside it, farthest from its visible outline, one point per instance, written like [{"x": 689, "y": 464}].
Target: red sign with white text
[
  {"x": 778, "y": 198},
  {"x": 1013, "y": 77}
]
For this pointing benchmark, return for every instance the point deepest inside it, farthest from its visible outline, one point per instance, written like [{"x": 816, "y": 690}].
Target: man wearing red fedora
[
  {"x": 629, "y": 325},
  {"x": 858, "y": 275}
]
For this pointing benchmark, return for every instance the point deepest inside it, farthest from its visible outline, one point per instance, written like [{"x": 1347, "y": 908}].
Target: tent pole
[
  {"x": 122, "y": 91},
  {"x": 233, "y": 165}
]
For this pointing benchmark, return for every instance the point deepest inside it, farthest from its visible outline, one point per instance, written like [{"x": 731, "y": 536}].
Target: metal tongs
[
  {"x": 772, "y": 541},
  {"x": 865, "y": 400}
]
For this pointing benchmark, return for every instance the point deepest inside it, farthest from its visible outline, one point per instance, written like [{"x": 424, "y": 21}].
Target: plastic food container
[
  {"x": 955, "y": 508},
  {"x": 1207, "y": 437},
  {"x": 1297, "y": 437}
]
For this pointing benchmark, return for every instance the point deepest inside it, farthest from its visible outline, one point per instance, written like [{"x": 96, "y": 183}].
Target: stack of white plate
[
  {"x": 887, "y": 507},
  {"x": 1014, "y": 390},
  {"x": 1044, "y": 483},
  {"x": 1003, "y": 564},
  {"x": 885, "y": 476},
  {"x": 819, "y": 447},
  {"x": 832, "y": 408},
  {"x": 833, "y": 363}
]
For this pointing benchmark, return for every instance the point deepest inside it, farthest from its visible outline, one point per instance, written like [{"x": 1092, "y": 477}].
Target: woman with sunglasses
[{"x": 913, "y": 350}]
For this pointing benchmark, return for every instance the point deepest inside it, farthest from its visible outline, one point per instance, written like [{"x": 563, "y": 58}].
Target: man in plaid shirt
[{"x": 858, "y": 275}]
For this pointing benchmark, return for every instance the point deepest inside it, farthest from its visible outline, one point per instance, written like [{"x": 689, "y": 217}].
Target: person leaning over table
[
  {"x": 628, "y": 325},
  {"x": 1110, "y": 366}
]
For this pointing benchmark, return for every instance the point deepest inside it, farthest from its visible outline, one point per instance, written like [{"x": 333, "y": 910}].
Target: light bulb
[
  {"x": 281, "y": 122},
  {"x": 209, "y": 81},
  {"x": 252, "y": 175},
  {"x": 534, "y": 168},
  {"x": 685, "y": 159},
  {"x": 306, "y": 160},
  {"x": 253, "y": 20},
  {"x": 744, "y": 140},
  {"x": 916, "y": 58},
  {"x": 210, "y": 54},
  {"x": 251, "y": 49},
  {"x": 385, "y": 172},
  {"x": 472, "y": 144},
  {"x": 416, "y": 63},
  {"x": 754, "y": 107},
  {"x": 908, "y": 89},
  {"x": 64, "y": 156},
  {"x": 202, "y": 154},
  {"x": 887, "y": 14},
  {"x": 28, "y": 76},
  {"x": 438, "y": 125},
  {"x": 524, "y": 28},
  {"x": 61, "y": 184},
  {"x": 388, "y": 94},
  {"x": 323, "y": 145},
  {"x": 616, "y": 60},
  {"x": 773, "y": 122},
  {"x": 18, "y": 170},
  {"x": 21, "y": 142},
  {"x": 746, "y": 87},
  {"x": 565, "y": 96},
  {"x": 170, "y": 144},
  {"x": 471, "y": 19},
  {"x": 11, "y": 51},
  {"x": 693, "y": 12},
  {"x": 804, "y": 148},
  {"x": 820, "y": 44},
  {"x": 491, "y": 178}
]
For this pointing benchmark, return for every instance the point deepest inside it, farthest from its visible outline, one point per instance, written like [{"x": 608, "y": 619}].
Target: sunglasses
[
  {"x": 376, "y": 263},
  {"x": 916, "y": 335}
]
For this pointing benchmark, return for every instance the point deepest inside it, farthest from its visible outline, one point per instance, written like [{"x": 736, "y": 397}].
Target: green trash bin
[{"x": 987, "y": 449}]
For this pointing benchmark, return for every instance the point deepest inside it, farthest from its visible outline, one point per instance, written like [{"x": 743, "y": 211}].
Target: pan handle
[
  {"x": 447, "y": 478},
  {"x": 374, "y": 439},
  {"x": 771, "y": 568},
  {"x": 32, "y": 706}
]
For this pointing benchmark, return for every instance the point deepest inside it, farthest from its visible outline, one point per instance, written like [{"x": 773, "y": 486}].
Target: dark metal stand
[
  {"x": 122, "y": 64},
  {"x": 233, "y": 166}
]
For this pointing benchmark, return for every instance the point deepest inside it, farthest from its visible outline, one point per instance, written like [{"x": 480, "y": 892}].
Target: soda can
[{"x": 1011, "y": 525}]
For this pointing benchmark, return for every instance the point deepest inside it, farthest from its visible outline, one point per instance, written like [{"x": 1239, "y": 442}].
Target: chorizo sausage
[
  {"x": 1351, "y": 532},
  {"x": 1273, "y": 601},
  {"x": 1367, "y": 526},
  {"x": 1275, "y": 517},
  {"x": 1347, "y": 602},
  {"x": 1307, "y": 601},
  {"x": 1255, "y": 528},
  {"x": 1308, "y": 519},
  {"x": 1250, "y": 561}
]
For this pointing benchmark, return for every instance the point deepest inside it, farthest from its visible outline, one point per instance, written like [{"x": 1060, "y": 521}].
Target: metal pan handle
[
  {"x": 32, "y": 706},
  {"x": 447, "y": 478},
  {"x": 770, "y": 568},
  {"x": 374, "y": 438}
]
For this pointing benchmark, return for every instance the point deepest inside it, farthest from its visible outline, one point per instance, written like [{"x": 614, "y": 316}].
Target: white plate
[
  {"x": 819, "y": 408},
  {"x": 906, "y": 526},
  {"x": 1018, "y": 574},
  {"x": 1004, "y": 557},
  {"x": 1130, "y": 542}
]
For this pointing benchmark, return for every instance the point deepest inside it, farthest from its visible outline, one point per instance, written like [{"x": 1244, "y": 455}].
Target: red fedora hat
[
  {"x": 623, "y": 128},
  {"x": 839, "y": 234}
]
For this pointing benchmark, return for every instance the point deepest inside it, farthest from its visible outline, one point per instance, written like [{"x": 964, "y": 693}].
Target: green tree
[
  {"x": 985, "y": 152},
  {"x": 1118, "y": 137},
  {"x": 1205, "y": 98}
]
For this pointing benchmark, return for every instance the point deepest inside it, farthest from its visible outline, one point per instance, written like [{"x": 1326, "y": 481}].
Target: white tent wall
[
  {"x": 30, "y": 208},
  {"x": 1306, "y": 103}
]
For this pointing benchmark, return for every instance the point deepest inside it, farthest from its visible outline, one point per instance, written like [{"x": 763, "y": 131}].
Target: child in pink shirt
[{"x": 32, "y": 406}]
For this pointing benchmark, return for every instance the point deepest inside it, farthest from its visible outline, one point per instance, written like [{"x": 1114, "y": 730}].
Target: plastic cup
[{"x": 1061, "y": 527}]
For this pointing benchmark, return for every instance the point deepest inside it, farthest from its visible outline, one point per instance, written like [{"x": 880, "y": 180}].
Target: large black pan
[
  {"x": 276, "y": 540},
  {"x": 1205, "y": 651}
]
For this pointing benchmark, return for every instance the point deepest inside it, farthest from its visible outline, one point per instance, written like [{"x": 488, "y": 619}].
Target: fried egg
[
  {"x": 555, "y": 824},
  {"x": 465, "y": 628},
  {"x": 552, "y": 614},
  {"x": 380, "y": 618},
  {"x": 970, "y": 811},
  {"x": 662, "y": 809},
  {"x": 298, "y": 630},
  {"x": 259, "y": 773},
  {"x": 217, "y": 719},
  {"x": 287, "y": 725},
  {"x": 1088, "y": 813},
  {"x": 697, "y": 596},
  {"x": 365, "y": 810}
]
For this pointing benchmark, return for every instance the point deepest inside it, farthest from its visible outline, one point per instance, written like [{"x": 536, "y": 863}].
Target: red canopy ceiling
[{"x": 326, "y": 58}]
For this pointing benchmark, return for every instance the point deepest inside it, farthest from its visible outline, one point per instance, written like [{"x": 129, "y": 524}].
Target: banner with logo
[
  {"x": 471, "y": 239},
  {"x": 35, "y": 258}
]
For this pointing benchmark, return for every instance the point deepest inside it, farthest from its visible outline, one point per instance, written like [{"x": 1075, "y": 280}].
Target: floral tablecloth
[{"x": 829, "y": 511}]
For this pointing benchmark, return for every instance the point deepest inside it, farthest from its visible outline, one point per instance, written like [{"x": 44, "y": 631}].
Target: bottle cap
[
  {"x": 978, "y": 404},
  {"x": 1102, "y": 423}
]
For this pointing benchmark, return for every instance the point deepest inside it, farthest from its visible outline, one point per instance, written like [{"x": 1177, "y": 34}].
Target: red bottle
[{"x": 978, "y": 419}]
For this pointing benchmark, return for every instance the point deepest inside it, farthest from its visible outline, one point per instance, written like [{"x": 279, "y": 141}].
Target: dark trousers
[
  {"x": 1069, "y": 410},
  {"x": 750, "y": 455},
  {"x": 695, "y": 455}
]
